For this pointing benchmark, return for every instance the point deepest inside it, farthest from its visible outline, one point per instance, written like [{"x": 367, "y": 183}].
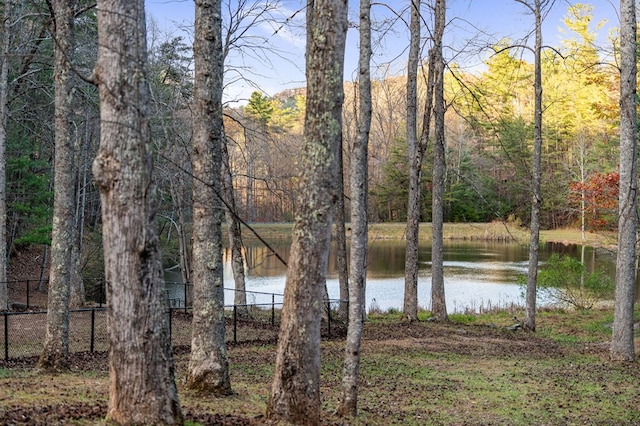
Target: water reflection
[{"x": 477, "y": 274}]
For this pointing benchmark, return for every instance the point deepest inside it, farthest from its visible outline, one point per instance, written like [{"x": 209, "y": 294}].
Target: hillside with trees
[{"x": 488, "y": 133}]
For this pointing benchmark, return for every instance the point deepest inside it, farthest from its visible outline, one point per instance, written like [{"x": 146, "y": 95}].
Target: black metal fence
[
  {"x": 28, "y": 294},
  {"x": 31, "y": 294},
  {"x": 22, "y": 334}
]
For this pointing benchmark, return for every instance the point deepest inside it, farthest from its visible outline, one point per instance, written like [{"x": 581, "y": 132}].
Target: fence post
[
  {"x": 235, "y": 324},
  {"x": 329, "y": 316},
  {"x": 170, "y": 323},
  {"x": 6, "y": 336},
  {"x": 27, "y": 294},
  {"x": 93, "y": 329},
  {"x": 273, "y": 309},
  {"x": 185, "y": 298}
]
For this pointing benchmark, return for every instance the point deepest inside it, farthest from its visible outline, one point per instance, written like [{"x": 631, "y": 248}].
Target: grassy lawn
[{"x": 472, "y": 371}]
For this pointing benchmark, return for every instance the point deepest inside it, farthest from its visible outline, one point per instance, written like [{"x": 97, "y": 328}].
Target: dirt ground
[{"x": 27, "y": 264}]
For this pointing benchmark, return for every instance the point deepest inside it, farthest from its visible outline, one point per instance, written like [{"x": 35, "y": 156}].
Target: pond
[{"x": 478, "y": 275}]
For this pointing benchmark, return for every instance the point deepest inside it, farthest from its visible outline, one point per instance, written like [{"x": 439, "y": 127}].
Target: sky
[{"x": 470, "y": 23}]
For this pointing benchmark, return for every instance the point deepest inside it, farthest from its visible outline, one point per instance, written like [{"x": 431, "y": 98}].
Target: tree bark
[
  {"x": 4, "y": 91},
  {"x": 183, "y": 210},
  {"x": 295, "y": 391},
  {"x": 536, "y": 201},
  {"x": 410, "y": 309},
  {"x": 55, "y": 353},
  {"x": 438, "y": 301},
  {"x": 622, "y": 344},
  {"x": 235, "y": 236},
  {"x": 359, "y": 224},
  {"x": 142, "y": 387},
  {"x": 209, "y": 365},
  {"x": 341, "y": 242},
  {"x": 77, "y": 297}
]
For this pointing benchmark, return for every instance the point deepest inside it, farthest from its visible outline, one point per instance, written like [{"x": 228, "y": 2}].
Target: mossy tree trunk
[
  {"x": 54, "y": 356},
  {"x": 438, "y": 300},
  {"x": 358, "y": 180},
  {"x": 142, "y": 387},
  {"x": 4, "y": 91},
  {"x": 295, "y": 391},
  {"x": 208, "y": 365},
  {"x": 416, "y": 155}
]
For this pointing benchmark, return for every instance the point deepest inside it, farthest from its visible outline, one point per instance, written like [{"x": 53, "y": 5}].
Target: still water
[{"x": 478, "y": 275}]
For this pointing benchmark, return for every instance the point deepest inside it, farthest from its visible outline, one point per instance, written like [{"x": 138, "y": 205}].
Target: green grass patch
[
  {"x": 463, "y": 318},
  {"x": 471, "y": 370}
]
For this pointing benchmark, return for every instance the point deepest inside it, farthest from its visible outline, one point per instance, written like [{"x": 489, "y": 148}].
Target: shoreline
[{"x": 492, "y": 231}]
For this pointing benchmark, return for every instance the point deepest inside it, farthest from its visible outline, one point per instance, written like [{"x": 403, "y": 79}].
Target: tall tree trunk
[
  {"x": 250, "y": 179},
  {"x": 536, "y": 201},
  {"x": 622, "y": 345},
  {"x": 177, "y": 188},
  {"x": 295, "y": 391},
  {"x": 235, "y": 235},
  {"x": 438, "y": 302},
  {"x": 142, "y": 387},
  {"x": 4, "y": 91},
  {"x": 359, "y": 225},
  {"x": 77, "y": 297},
  {"x": 209, "y": 365},
  {"x": 55, "y": 353},
  {"x": 583, "y": 177},
  {"x": 410, "y": 309},
  {"x": 341, "y": 241}
]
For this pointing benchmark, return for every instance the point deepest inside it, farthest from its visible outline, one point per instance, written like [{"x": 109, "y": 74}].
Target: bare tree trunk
[
  {"x": 182, "y": 210},
  {"x": 583, "y": 177},
  {"x": 438, "y": 302},
  {"x": 622, "y": 345},
  {"x": 536, "y": 201},
  {"x": 209, "y": 364},
  {"x": 43, "y": 267},
  {"x": 77, "y": 297},
  {"x": 235, "y": 236},
  {"x": 410, "y": 309},
  {"x": 341, "y": 241},
  {"x": 142, "y": 387},
  {"x": 4, "y": 90},
  {"x": 55, "y": 352},
  {"x": 250, "y": 178},
  {"x": 295, "y": 391},
  {"x": 359, "y": 225}
]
